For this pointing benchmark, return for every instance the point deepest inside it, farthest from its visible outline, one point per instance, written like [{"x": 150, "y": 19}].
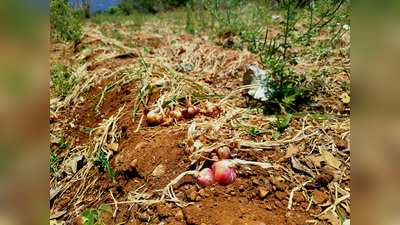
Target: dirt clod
[
  {"x": 341, "y": 144},
  {"x": 179, "y": 216},
  {"x": 319, "y": 197},
  {"x": 280, "y": 195},
  {"x": 133, "y": 164},
  {"x": 326, "y": 176},
  {"x": 192, "y": 195}
]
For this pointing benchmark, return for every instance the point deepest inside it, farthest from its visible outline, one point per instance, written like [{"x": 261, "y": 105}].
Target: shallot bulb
[
  {"x": 224, "y": 172},
  {"x": 206, "y": 178},
  {"x": 224, "y": 152},
  {"x": 190, "y": 111},
  {"x": 155, "y": 117},
  {"x": 213, "y": 109}
]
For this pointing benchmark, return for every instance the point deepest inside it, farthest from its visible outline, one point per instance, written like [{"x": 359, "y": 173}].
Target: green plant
[
  {"x": 101, "y": 162},
  {"x": 62, "y": 79},
  {"x": 344, "y": 84},
  {"x": 280, "y": 126},
  {"x": 54, "y": 159},
  {"x": 64, "y": 22},
  {"x": 114, "y": 10},
  {"x": 253, "y": 131},
  {"x": 183, "y": 68},
  {"x": 93, "y": 216},
  {"x": 279, "y": 53}
]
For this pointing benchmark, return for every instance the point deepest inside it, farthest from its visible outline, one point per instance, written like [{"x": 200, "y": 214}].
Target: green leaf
[
  {"x": 276, "y": 136},
  {"x": 106, "y": 208},
  {"x": 88, "y": 217}
]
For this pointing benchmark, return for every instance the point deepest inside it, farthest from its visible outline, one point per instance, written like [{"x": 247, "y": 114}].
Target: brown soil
[{"x": 257, "y": 196}]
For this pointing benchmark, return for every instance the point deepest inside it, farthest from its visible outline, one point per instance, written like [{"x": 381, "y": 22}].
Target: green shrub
[
  {"x": 114, "y": 10},
  {"x": 65, "y": 23}
]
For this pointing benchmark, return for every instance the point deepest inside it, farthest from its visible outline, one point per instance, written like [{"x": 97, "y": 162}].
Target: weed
[
  {"x": 101, "y": 162},
  {"x": 93, "y": 216},
  {"x": 62, "y": 79},
  {"x": 344, "y": 84},
  {"x": 54, "y": 160},
  {"x": 280, "y": 126}
]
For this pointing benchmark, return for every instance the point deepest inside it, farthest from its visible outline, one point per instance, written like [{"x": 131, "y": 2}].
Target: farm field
[{"x": 142, "y": 104}]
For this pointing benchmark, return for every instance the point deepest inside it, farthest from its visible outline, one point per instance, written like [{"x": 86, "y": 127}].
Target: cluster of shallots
[
  {"x": 221, "y": 171},
  {"x": 159, "y": 116}
]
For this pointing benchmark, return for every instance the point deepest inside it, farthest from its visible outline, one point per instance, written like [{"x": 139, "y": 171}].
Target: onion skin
[
  {"x": 213, "y": 155},
  {"x": 206, "y": 177},
  {"x": 177, "y": 114},
  {"x": 212, "y": 109},
  {"x": 154, "y": 117},
  {"x": 224, "y": 172},
  {"x": 224, "y": 152}
]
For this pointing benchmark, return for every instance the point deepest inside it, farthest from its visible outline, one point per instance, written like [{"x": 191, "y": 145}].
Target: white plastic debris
[
  {"x": 346, "y": 27},
  {"x": 254, "y": 75}
]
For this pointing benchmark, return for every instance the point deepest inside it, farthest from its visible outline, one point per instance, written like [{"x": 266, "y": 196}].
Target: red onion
[
  {"x": 206, "y": 177},
  {"x": 224, "y": 172}
]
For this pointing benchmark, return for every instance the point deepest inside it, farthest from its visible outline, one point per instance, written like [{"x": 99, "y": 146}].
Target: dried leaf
[
  {"x": 54, "y": 192},
  {"x": 331, "y": 217},
  {"x": 316, "y": 160},
  {"x": 113, "y": 147},
  {"x": 297, "y": 165},
  {"x": 330, "y": 159},
  {"x": 57, "y": 214},
  {"x": 72, "y": 164},
  {"x": 292, "y": 150},
  {"x": 345, "y": 98}
]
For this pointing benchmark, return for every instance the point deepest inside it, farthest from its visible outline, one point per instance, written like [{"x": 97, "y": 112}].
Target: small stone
[
  {"x": 192, "y": 195},
  {"x": 133, "y": 164},
  {"x": 158, "y": 171},
  {"x": 263, "y": 192},
  {"x": 198, "y": 198},
  {"x": 241, "y": 188},
  {"x": 268, "y": 207},
  {"x": 179, "y": 216},
  {"x": 54, "y": 147},
  {"x": 255, "y": 182},
  {"x": 208, "y": 80},
  {"x": 113, "y": 147},
  {"x": 233, "y": 193}
]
